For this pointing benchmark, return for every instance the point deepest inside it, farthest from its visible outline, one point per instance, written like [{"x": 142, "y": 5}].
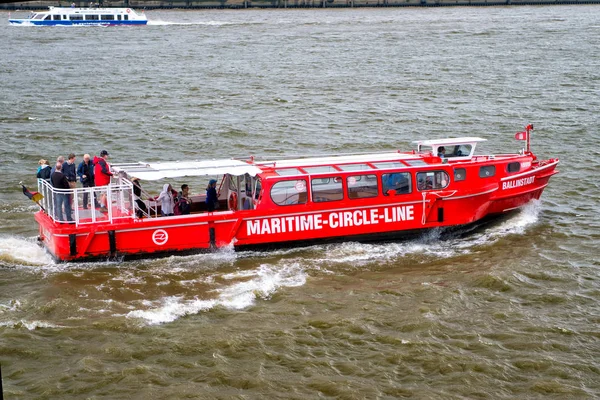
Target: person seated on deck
[
  {"x": 167, "y": 202},
  {"x": 212, "y": 201},
  {"x": 183, "y": 205},
  {"x": 141, "y": 209},
  {"x": 442, "y": 152}
]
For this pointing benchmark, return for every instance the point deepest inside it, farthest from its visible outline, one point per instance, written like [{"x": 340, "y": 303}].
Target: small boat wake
[
  {"x": 164, "y": 290},
  {"x": 15, "y": 252}
]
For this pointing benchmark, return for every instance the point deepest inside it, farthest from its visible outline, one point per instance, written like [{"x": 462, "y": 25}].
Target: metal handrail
[{"x": 119, "y": 202}]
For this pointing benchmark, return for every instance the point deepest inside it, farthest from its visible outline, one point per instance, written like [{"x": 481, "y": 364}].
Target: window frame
[{"x": 288, "y": 196}]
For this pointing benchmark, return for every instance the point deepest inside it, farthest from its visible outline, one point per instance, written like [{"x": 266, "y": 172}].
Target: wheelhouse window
[
  {"x": 460, "y": 174},
  {"x": 396, "y": 183},
  {"x": 487, "y": 171},
  {"x": 327, "y": 189},
  {"x": 459, "y": 150},
  {"x": 432, "y": 180},
  {"x": 362, "y": 186},
  {"x": 287, "y": 193},
  {"x": 513, "y": 167}
]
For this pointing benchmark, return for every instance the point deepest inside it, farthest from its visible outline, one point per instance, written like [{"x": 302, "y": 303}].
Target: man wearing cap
[{"x": 102, "y": 174}]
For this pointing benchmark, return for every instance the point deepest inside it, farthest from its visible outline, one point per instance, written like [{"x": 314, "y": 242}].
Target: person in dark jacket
[
  {"x": 85, "y": 172},
  {"x": 141, "y": 209},
  {"x": 61, "y": 200},
  {"x": 44, "y": 172},
  {"x": 211, "y": 195},
  {"x": 69, "y": 170},
  {"x": 183, "y": 205}
]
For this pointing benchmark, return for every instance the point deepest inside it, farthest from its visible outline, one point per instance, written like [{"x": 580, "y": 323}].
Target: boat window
[
  {"x": 38, "y": 16},
  {"x": 387, "y": 165},
  {"x": 432, "y": 180},
  {"x": 460, "y": 174},
  {"x": 362, "y": 186},
  {"x": 119, "y": 17},
  {"x": 425, "y": 149},
  {"x": 487, "y": 171},
  {"x": 513, "y": 167},
  {"x": 125, "y": 17},
  {"x": 354, "y": 167},
  {"x": 91, "y": 18},
  {"x": 48, "y": 17},
  {"x": 76, "y": 17},
  {"x": 327, "y": 189},
  {"x": 459, "y": 150},
  {"x": 56, "y": 17},
  {"x": 288, "y": 171},
  {"x": 396, "y": 183},
  {"x": 107, "y": 17},
  {"x": 320, "y": 170},
  {"x": 286, "y": 193}
]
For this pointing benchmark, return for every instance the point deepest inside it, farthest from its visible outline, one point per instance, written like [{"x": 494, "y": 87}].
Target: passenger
[
  {"x": 166, "y": 200},
  {"x": 60, "y": 160},
  {"x": 102, "y": 176},
  {"x": 141, "y": 209},
  {"x": 44, "y": 170},
  {"x": 61, "y": 200},
  {"x": 184, "y": 203},
  {"x": 69, "y": 170},
  {"x": 212, "y": 201},
  {"x": 85, "y": 171},
  {"x": 441, "y": 152}
]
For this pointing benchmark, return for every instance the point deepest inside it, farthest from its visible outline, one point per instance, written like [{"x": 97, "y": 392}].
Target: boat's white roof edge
[
  {"x": 180, "y": 169},
  {"x": 449, "y": 141}
]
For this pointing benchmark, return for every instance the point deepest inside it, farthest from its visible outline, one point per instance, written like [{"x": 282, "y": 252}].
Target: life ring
[
  {"x": 233, "y": 201},
  {"x": 128, "y": 10}
]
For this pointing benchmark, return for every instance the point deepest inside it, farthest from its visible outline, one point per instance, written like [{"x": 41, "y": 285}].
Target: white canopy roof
[
  {"x": 177, "y": 169},
  {"x": 449, "y": 141}
]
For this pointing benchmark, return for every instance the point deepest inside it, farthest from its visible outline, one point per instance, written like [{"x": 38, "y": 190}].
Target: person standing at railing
[
  {"x": 102, "y": 175},
  {"x": 62, "y": 201},
  {"x": 44, "y": 171},
  {"x": 85, "y": 171},
  {"x": 69, "y": 170}
]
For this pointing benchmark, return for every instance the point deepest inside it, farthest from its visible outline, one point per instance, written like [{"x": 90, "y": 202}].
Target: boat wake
[
  {"x": 245, "y": 288},
  {"x": 206, "y": 23},
  {"x": 16, "y": 251}
]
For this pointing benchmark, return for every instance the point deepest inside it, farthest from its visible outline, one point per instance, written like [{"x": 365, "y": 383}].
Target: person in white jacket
[{"x": 166, "y": 200}]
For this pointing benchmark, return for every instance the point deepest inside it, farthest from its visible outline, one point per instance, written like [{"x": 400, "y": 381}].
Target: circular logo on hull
[{"x": 160, "y": 237}]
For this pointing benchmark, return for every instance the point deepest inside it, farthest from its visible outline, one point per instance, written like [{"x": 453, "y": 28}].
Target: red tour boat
[{"x": 276, "y": 203}]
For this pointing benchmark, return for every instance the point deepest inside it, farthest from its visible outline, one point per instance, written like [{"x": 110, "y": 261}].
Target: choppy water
[{"x": 507, "y": 311}]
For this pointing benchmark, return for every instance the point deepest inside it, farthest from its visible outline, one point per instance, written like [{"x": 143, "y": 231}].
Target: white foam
[
  {"x": 264, "y": 282},
  {"x": 30, "y": 325},
  {"x": 23, "y": 251}
]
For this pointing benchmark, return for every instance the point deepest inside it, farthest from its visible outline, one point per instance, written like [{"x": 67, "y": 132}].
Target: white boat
[{"x": 83, "y": 16}]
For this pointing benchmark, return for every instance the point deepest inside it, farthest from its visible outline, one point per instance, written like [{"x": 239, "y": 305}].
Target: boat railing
[{"x": 88, "y": 205}]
